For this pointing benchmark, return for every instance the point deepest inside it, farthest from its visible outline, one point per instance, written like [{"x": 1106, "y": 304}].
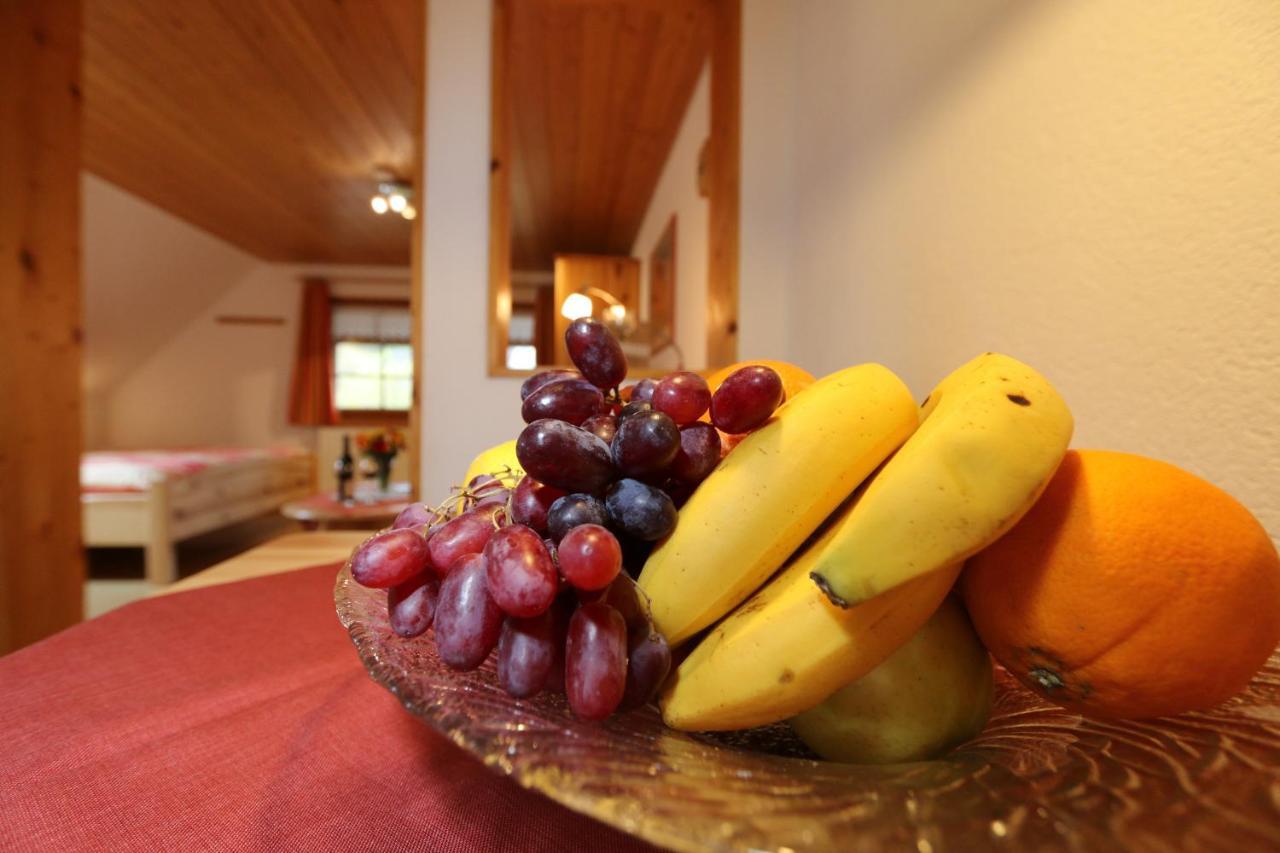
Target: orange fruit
[{"x": 1132, "y": 589}]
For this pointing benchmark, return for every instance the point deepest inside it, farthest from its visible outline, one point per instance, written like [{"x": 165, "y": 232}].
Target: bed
[{"x": 155, "y": 498}]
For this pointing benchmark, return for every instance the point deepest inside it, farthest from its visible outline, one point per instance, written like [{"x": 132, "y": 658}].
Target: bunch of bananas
[{"x": 829, "y": 537}]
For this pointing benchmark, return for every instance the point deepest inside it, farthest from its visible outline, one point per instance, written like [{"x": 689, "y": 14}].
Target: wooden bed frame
[{"x": 175, "y": 509}]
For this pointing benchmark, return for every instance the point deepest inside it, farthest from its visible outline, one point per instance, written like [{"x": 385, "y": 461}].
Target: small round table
[{"x": 323, "y": 512}]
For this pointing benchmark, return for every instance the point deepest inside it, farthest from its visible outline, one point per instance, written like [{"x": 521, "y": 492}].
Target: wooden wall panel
[
  {"x": 41, "y": 561},
  {"x": 723, "y": 164}
]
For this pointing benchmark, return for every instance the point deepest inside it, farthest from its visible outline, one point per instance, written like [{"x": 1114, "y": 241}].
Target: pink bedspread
[{"x": 137, "y": 470}]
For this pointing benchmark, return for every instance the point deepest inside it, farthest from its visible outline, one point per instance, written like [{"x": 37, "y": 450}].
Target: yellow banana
[
  {"x": 789, "y": 648},
  {"x": 991, "y": 435},
  {"x": 764, "y": 499}
]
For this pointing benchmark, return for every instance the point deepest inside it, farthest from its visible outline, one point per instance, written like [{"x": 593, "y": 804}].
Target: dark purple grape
[
  {"x": 634, "y": 553},
  {"x": 468, "y": 621},
  {"x": 682, "y": 395},
  {"x": 389, "y": 558},
  {"x": 648, "y": 662},
  {"x": 746, "y": 399},
  {"x": 595, "y": 673},
  {"x": 639, "y": 510},
  {"x": 416, "y": 515},
  {"x": 596, "y": 352},
  {"x": 526, "y": 654},
  {"x": 522, "y": 579},
  {"x": 562, "y": 455},
  {"x": 530, "y": 502},
  {"x": 537, "y": 380},
  {"x": 625, "y": 597},
  {"x": 466, "y": 534},
  {"x": 635, "y": 407},
  {"x": 563, "y": 609},
  {"x": 643, "y": 390},
  {"x": 699, "y": 453},
  {"x": 645, "y": 444},
  {"x": 573, "y": 510},
  {"x": 604, "y": 426},
  {"x": 569, "y": 400},
  {"x": 412, "y": 604}
]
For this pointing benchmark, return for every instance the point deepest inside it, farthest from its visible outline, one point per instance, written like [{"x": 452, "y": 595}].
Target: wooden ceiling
[
  {"x": 261, "y": 121},
  {"x": 597, "y": 92}
]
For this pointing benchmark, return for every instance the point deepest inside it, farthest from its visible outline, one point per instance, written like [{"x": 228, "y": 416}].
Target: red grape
[
  {"x": 522, "y": 578},
  {"x": 682, "y": 395},
  {"x": 604, "y": 426},
  {"x": 635, "y": 407},
  {"x": 572, "y": 510},
  {"x": 640, "y": 510},
  {"x": 699, "y": 453},
  {"x": 530, "y": 502},
  {"x": 527, "y": 653},
  {"x": 389, "y": 558},
  {"x": 746, "y": 399},
  {"x": 590, "y": 557},
  {"x": 412, "y": 604},
  {"x": 596, "y": 352},
  {"x": 642, "y": 391},
  {"x": 562, "y": 455},
  {"x": 466, "y": 534},
  {"x": 645, "y": 444},
  {"x": 537, "y": 380},
  {"x": 569, "y": 400},
  {"x": 415, "y": 515},
  {"x": 561, "y": 611},
  {"x": 468, "y": 621},
  {"x": 595, "y": 661},
  {"x": 648, "y": 662}
]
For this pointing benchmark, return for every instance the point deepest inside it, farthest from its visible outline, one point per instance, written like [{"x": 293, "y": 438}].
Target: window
[{"x": 372, "y": 359}]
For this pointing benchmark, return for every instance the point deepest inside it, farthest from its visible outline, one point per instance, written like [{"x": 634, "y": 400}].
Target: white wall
[
  {"x": 146, "y": 273},
  {"x": 677, "y": 193},
  {"x": 1093, "y": 187},
  {"x": 464, "y": 411}
]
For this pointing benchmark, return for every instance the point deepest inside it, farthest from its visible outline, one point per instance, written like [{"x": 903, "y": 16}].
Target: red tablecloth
[{"x": 239, "y": 718}]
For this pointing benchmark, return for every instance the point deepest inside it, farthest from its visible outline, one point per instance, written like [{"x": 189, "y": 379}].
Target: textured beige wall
[{"x": 1093, "y": 187}]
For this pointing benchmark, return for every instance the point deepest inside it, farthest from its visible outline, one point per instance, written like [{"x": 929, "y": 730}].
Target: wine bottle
[{"x": 345, "y": 469}]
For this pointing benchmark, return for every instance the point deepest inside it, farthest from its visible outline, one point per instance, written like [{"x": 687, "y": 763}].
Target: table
[
  {"x": 320, "y": 512},
  {"x": 233, "y": 714}
]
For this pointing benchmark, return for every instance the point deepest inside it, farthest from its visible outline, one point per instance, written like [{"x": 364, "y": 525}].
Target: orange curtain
[{"x": 311, "y": 392}]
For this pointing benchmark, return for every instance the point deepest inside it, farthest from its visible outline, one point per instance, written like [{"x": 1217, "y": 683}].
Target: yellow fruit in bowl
[
  {"x": 930, "y": 695},
  {"x": 495, "y": 460},
  {"x": 1132, "y": 589}
]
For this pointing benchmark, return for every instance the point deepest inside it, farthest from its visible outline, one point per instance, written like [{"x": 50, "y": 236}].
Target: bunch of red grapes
[{"x": 541, "y": 568}]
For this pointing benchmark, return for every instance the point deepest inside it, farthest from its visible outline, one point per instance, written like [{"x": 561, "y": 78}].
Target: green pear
[{"x": 930, "y": 695}]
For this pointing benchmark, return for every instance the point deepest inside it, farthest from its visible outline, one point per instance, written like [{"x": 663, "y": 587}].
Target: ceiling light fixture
[{"x": 395, "y": 196}]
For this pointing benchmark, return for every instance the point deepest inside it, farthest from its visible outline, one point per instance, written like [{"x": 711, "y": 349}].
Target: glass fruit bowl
[{"x": 1037, "y": 778}]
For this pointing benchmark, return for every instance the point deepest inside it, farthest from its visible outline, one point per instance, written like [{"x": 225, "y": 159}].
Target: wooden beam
[
  {"x": 499, "y": 195},
  {"x": 416, "y": 284},
  {"x": 41, "y": 560},
  {"x": 723, "y": 152}
]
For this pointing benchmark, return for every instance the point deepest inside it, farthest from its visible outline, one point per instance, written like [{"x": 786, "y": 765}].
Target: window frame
[{"x": 370, "y": 417}]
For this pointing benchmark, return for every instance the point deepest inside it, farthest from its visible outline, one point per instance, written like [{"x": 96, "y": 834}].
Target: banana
[
  {"x": 764, "y": 499},
  {"x": 933, "y": 693},
  {"x": 788, "y": 648},
  {"x": 991, "y": 435}
]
